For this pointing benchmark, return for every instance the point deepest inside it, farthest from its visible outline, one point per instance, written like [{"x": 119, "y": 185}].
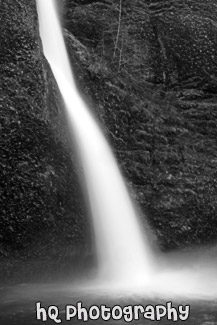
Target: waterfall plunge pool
[
  {"x": 183, "y": 279},
  {"x": 18, "y": 305}
]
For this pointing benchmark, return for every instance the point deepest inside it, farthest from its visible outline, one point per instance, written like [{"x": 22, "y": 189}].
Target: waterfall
[{"x": 122, "y": 248}]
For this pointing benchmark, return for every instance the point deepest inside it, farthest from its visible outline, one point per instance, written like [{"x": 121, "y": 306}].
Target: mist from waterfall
[
  {"x": 124, "y": 254},
  {"x": 122, "y": 248}
]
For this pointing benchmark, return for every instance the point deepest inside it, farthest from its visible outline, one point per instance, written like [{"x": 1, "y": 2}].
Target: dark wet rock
[
  {"x": 42, "y": 213},
  {"x": 151, "y": 72}
]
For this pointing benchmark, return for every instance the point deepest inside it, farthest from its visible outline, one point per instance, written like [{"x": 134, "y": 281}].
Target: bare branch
[{"x": 119, "y": 28}]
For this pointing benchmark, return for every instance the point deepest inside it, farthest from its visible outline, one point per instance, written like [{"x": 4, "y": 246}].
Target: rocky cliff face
[
  {"x": 150, "y": 68},
  {"x": 41, "y": 209}
]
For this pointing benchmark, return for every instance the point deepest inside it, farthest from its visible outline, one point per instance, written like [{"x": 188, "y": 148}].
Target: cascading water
[
  {"x": 123, "y": 251},
  {"x": 124, "y": 254}
]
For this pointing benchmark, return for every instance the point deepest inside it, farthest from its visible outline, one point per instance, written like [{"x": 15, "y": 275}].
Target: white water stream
[{"x": 124, "y": 252}]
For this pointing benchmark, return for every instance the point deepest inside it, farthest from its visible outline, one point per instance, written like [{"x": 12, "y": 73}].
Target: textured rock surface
[
  {"x": 150, "y": 67},
  {"x": 41, "y": 212},
  {"x": 149, "y": 72}
]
